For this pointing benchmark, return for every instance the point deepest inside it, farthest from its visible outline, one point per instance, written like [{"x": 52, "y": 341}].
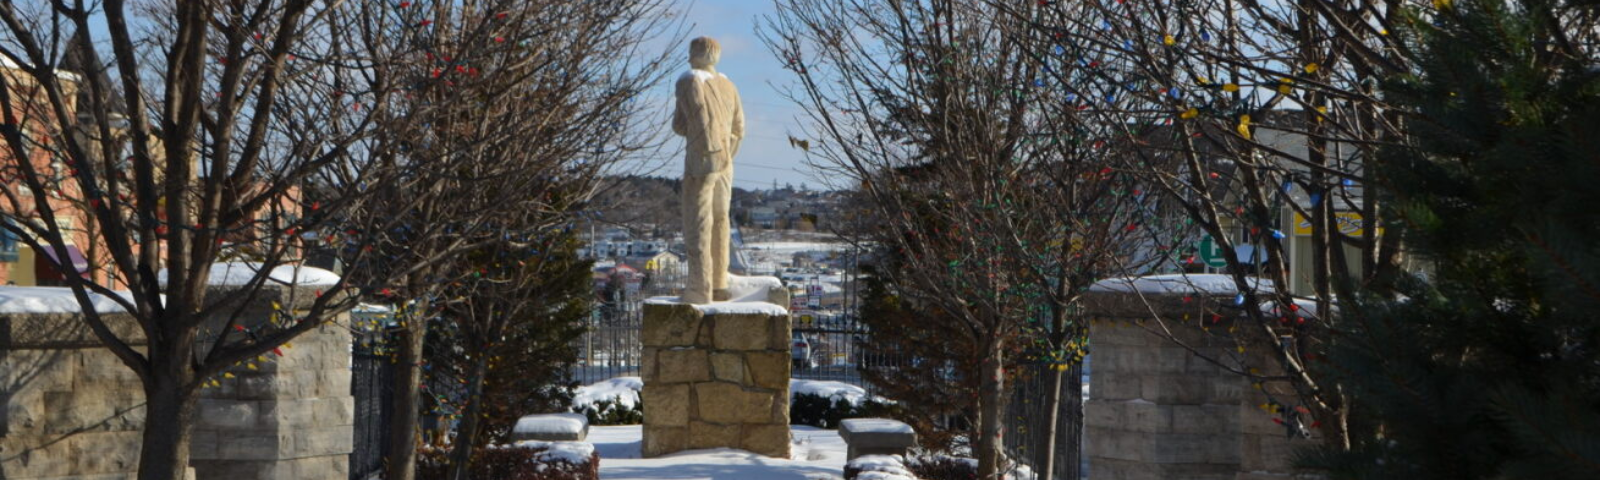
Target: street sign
[{"x": 1211, "y": 253}]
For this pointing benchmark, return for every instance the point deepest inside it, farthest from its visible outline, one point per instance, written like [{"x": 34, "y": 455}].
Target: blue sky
[{"x": 765, "y": 155}]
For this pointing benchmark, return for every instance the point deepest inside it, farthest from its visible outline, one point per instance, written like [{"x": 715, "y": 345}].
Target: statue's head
[{"x": 704, "y": 53}]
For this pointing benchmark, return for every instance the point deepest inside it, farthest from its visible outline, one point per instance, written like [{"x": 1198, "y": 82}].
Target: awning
[{"x": 44, "y": 267}]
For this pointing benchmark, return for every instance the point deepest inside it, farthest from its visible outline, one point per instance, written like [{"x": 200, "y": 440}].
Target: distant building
[
  {"x": 604, "y": 274},
  {"x": 764, "y": 217},
  {"x": 661, "y": 261}
]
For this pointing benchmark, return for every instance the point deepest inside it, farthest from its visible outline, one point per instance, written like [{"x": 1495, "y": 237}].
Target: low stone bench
[
  {"x": 551, "y": 427},
  {"x": 876, "y": 436}
]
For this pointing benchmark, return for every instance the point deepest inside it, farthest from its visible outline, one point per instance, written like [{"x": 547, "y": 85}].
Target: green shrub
[{"x": 826, "y": 412}]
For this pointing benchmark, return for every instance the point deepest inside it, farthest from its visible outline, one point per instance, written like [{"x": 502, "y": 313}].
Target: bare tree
[
  {"x": 512, "y": 112},
  {"x": 1250, "y": 116},
  {"x": 989, "y": 214},
  {"x": 196, "y": 141},
  {"x": 241, "y": 129}
]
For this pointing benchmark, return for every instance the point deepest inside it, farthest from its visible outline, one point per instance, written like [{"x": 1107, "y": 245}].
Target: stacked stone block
[
  {"x": 715, "y": 380},
  {"x": 1266, "y": 450}
]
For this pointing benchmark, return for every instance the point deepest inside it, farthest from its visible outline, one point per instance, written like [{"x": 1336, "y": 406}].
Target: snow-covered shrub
[
  {"x": 824, "y": 404},
  {"x": 878, "y": 467},
  {"x": 527, "y": 460},
  {"x": 819, "y": 411},
  {"x": 612, "y": 412},
  {"x": 612, "y": 401}
]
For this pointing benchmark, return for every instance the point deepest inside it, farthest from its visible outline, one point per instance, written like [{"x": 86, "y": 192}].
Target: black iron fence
[
  {"x": 831, "y": 347},
  {"x": 1038, "y": 395},
  {"x": 371, "y": 380},
  {"x": 609, "y": 348}
]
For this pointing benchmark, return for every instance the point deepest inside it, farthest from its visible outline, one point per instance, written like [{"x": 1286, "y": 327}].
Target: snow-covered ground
[
  {"x": 769, "y": 256},
  {"x": 815, "y": 454},
  {"x": 625, "y": 391},
  {"x": 622, "y": 390}
]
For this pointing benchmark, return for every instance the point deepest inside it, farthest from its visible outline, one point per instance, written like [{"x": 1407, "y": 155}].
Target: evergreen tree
[
  {"x": 1489, "y": 365},
  {"x": 508, "y": 343},
  {"x": 917, "y": 358}
]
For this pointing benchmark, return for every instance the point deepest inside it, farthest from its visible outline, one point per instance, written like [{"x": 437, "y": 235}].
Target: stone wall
[
  {"x": 715, "y": 379},
  {"x": 1157, "y": 410},
  {"x": 72, "y": 409}
]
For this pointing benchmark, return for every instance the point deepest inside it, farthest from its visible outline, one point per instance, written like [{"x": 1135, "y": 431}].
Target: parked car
[{"x": 800, "y": 351}]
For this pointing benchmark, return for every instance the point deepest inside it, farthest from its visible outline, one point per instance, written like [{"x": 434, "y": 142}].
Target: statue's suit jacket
[{"x": 710, "y": 119}]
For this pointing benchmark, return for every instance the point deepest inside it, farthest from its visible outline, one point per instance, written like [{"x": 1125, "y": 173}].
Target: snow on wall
[
  {"x": 751, "y": 289},
  {"x": 240, "y": 273},
  {"x": 747, "y": 296},
  {"x": 880, "y": 467},
  {"x": 726, "y": 308},
  {"x": 875, "y": 425},
  {"x": 1303, "y": 308},
  {"x": 576, "y": 453},
  {"x": 54, "y": 300}
]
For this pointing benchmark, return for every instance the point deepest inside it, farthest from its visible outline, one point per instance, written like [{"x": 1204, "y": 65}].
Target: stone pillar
[
  {"x": 292, "y": 416},
  {"x": 716, "y": 376},
  {"x": 1157, "y": 411},
  {"x": 1266, "y": 449}
]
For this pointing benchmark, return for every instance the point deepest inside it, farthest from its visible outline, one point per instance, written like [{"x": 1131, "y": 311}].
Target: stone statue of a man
[{"x": 711, "y": 122}]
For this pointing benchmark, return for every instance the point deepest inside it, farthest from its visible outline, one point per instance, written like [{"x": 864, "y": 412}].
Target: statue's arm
[
  {"x": 738, "y": 123},
  {"x": 680, "y": 124}
]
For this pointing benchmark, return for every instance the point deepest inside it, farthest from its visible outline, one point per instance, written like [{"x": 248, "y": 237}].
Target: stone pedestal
[{"x": 716, "y": 376}]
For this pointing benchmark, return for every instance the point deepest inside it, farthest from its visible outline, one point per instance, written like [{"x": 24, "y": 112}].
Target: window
[{"x": 8, "y": 244}]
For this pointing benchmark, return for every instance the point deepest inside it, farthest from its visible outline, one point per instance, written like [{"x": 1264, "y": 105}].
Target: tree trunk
[
  {"x": 990, "y": 415},
  {"x": 402, "y": 448},
  {"x": 1048, "y": 470},
  {"x": 467, "y": 435},
  {"x": 169, "y": 411}
]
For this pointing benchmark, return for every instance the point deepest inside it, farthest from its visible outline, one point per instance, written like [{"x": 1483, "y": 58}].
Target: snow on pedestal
[
  {"x": 877, "y": 436},
  {"x": 746, "y": 296},
  {"x": 551, "y": 427},
  {"x": 717, "y": 375},
  {"x": 48, "y": 300}
]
